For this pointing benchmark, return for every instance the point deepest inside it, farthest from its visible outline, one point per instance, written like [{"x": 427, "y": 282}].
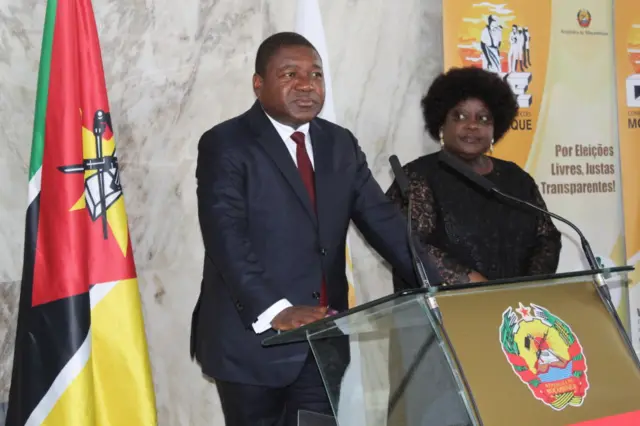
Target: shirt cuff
[{"x": 263, "y": 323}]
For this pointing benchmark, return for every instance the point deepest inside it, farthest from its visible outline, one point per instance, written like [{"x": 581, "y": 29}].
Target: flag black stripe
[{"x": 47, "y": 336}]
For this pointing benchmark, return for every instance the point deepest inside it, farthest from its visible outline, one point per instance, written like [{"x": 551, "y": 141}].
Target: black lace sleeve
[
  {"x": 546, "y": 253},
  {"x": 423, "y": 218}
]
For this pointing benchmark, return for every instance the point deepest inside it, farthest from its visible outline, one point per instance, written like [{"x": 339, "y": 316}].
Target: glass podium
[{"x": 532, "y": 350}]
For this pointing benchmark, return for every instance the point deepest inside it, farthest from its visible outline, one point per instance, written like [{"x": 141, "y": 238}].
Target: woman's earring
[
  {"x": 441, "y": 139},
  {"x": 491, "y": 147}
]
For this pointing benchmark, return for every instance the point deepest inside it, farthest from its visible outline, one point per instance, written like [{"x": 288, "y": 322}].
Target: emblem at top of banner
[{"x": 584, "y": 18}]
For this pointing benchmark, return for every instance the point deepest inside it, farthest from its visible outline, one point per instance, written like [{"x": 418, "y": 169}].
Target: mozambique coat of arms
[{"x": 545, "y": 354}]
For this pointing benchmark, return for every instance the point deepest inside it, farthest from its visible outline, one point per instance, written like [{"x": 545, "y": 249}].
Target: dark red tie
[{"x": 306, "y": 172}]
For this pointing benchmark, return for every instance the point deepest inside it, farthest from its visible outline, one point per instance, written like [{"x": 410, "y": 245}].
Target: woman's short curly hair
[{"x": 460, "y": 84}]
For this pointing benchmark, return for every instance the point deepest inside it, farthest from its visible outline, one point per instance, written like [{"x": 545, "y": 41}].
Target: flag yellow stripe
[
  {"x": 76, "y": 405},
  {"x": 123, "y": 392}
]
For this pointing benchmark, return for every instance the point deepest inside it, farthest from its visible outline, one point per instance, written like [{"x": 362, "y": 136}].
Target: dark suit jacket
[{"x": 264, "y": 242}]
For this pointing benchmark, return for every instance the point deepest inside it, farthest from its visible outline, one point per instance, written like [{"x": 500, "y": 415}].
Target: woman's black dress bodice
[{"x": 466, "y": 229}]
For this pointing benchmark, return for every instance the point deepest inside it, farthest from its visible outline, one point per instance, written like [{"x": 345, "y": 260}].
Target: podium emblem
[{"x": 545, "y": 354}]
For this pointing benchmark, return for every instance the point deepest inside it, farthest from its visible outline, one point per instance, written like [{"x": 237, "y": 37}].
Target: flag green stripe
[{"x": 37, "y": 147}]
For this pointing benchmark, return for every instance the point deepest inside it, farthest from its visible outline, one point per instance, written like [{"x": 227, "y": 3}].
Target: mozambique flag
[{"x": 81, "y": 354}]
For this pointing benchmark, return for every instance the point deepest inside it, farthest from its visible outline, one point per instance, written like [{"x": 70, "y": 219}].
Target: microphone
[
  {"x": 401, "y": 177},
  {"x": 488, "y": 186},
  {"x": 402, "y": 180}
]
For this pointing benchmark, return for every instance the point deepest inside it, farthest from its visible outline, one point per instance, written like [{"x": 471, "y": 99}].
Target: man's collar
[{"x": 286, "y": 131}]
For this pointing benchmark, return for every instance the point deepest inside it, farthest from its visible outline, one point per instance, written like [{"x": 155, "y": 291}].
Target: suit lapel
[
  {"x": 323, "y": 165},
  {"x": 271, "y": 142}
]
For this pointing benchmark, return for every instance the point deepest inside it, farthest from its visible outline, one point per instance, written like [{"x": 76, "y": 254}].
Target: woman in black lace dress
[{"x": 474, "y": 236}]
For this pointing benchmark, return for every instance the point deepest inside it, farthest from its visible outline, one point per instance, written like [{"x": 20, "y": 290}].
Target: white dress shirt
[{"x": 263, "y": 323}]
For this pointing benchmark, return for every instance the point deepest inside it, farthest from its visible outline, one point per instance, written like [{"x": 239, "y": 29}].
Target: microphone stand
[
  {"x": 432, "y": 304},
  {"x": 419, "y": 270}
]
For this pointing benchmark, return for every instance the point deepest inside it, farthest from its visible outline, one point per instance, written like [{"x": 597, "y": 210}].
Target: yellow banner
[
  {"x": 627, "y": 51},
  {"x": 511, "y": 40},
  {"x": 557, "y": 56}
]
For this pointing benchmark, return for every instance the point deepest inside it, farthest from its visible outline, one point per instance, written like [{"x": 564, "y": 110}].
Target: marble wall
[{"x": 173, "y": 70}]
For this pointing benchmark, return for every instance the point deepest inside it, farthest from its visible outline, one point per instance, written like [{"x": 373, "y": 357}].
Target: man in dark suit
[{"x": 277, "y": 187}]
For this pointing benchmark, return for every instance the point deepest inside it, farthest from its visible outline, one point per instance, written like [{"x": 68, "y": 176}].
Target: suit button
[
  {"x": 315, "y": 295},
  {"x": 239, "y": 306},
  {"x": 323, "y": 252}
]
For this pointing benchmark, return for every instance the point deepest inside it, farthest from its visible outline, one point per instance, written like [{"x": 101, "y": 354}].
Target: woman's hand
[{"x": 476, "y": 277}]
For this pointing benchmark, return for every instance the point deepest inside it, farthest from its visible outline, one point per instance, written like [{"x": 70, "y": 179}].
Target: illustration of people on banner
[
  {"x": 519, "y": 44},
  {"x": 498, "y": 38},
  {"x": 518, "y": 58}
]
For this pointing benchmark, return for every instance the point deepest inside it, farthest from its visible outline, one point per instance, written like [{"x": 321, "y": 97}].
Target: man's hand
[
  {"x": 476, "y": 277},
  {"x": 297, "y": 316}
]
